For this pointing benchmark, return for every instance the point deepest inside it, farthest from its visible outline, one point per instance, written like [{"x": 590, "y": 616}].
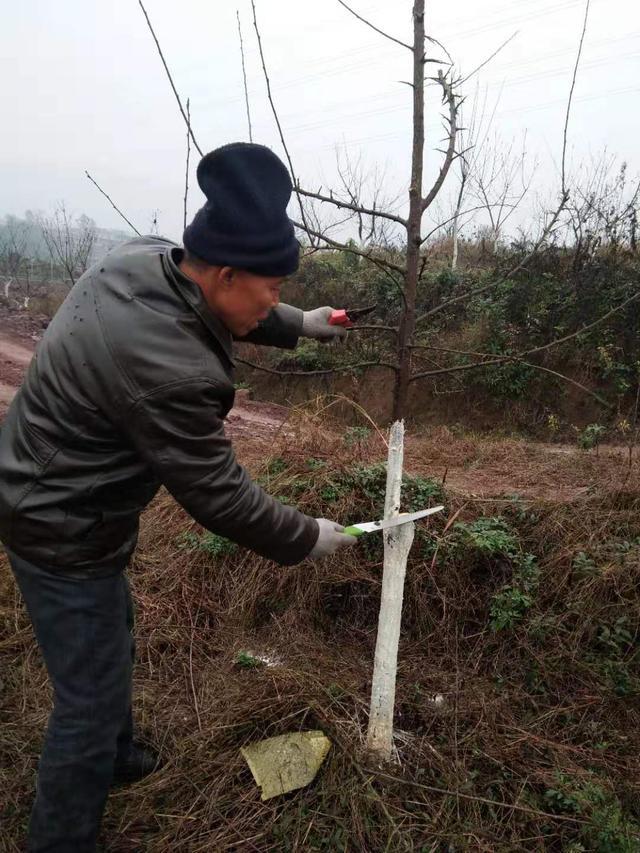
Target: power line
[
  {"x": 393, "y": 95},
  {"x": 381, "y": 55},
  {"x": 393, "y": 135},
  {"x": 406, "y": 106}
]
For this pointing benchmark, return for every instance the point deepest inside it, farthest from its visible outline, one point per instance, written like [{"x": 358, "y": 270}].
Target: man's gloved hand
[
  {"x": 331, "y": 539},
  {"x": 315, "y": 324}
]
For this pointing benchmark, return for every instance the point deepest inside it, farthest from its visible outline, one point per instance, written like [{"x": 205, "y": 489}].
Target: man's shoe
[{"x": 138, "y": 763}]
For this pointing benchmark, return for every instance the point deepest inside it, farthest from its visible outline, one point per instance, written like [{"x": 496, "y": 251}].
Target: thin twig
[
  {"x": 343, "y": 369},
  {"x": 277, "y": 120},
  {"x": 573, "y": 83},
  {"x": 166, "y": 68},
  {"x": 383, "y": 265},
  {"x": 476, "y": 799},
  {"x": 488, "y": 59},
  {"x": 244, "y": 77},
  {"x": 587, "y": 328},
  {"x": 451, "y": 219},
  {"x": 335, "y": 244},
  {"x": 369, "y": 24},
  {"x": 186, "y": 171},
  {"x": 342, "y": 398},
  {"x": 374, "y": 328},
  {"x": 547, "y": 346},
  {"x": 193, "y": 686},
  {"x": 110, "y": 200},
  {"x": 509, "y": 359}
]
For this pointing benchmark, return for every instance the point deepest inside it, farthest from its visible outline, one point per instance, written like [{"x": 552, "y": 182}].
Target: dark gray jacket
[{"x": 128, "y": 390}]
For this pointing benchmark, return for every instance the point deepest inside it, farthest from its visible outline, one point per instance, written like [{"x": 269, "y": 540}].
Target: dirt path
[
  {"x": 13, "y": 351},
  {"x": 15, "y": 355},
  {"x": 248, "y": 418}
]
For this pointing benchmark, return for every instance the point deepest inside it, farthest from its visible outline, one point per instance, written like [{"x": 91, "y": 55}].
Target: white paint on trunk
[
  {"x": 454, "y": 258},
  {"x": 397, "y": 544}
]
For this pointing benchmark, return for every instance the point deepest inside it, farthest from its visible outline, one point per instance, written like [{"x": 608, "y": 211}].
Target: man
[{"x": 128, "y": 391}]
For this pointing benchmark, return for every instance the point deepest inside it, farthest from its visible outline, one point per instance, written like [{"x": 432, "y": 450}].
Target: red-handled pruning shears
[{"x": 347, "y": 317}]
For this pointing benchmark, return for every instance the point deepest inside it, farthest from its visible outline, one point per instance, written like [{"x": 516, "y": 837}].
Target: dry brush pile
[{"x": 518, "y": 715}]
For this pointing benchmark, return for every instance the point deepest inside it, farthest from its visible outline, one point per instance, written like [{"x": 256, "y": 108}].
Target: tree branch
[
  {"x": 448, "y": 93},
  {"x": 488, "y": 59},
  {"x": 335, "y": 244},
  {"x": 442, "y": 224},
  {"x": 543, "y": 347},
  {"x": 186, "y": 171},
  {"x": 275, "y": 115},
  {"x": 519, "y": 356},
  {"x": 373, "y": 328},
  {"x": 380, "y": 32},
  {"x": 344, "y": 369},
  {"x": 512, "y": 358},
  {"x": 117, "y": 209},
  {"x": 573, "y": 83},
  {"x": 357, "y": 208},
  {"x": 244, "y": 77},
  {"x": 166, "y": 68},
  {"x": 585, "y": 329}
]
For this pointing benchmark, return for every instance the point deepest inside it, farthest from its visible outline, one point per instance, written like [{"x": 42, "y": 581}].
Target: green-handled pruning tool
[{"x": 385, "y": 523}]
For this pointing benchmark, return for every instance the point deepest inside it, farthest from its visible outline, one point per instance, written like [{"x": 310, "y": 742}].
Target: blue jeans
[{"x": 84, "y": 630}]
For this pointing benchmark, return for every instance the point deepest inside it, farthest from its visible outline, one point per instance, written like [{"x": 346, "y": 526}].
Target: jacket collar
[{"x": 192, "y": 295}]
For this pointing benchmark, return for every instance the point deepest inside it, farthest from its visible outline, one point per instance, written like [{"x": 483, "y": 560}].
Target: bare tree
[
  {"x": 603, "y": 210},
  {"x": 15, "y": 256},
  {"x": 500, "y": 180},
  {"x": 472, "y": 140},
  {"x": 70, "y": 240}
]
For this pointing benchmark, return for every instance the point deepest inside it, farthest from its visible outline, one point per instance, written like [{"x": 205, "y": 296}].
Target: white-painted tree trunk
[
  {"x": 397, "y": 544},
  {"x": 454, "y": 257}
]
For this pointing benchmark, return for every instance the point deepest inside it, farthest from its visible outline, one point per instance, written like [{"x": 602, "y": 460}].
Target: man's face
[{"x": 242, "y": 300}]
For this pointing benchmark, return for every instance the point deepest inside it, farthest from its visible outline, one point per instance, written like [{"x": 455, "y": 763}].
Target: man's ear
[{"x": 226, "y": 276}]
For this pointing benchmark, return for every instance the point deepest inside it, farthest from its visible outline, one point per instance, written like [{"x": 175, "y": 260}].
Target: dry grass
[{"x": 548, "y": 704}]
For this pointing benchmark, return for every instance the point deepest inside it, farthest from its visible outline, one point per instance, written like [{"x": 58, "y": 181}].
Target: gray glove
[
  {"x": 315, "y": 324},
  {"x": 331, "y": 539}
]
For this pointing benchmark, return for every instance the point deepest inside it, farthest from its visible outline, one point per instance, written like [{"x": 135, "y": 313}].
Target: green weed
[
  {"x": 607, "y": 828},
  {"x": 591, "y": 436},
  {"x": 492, "y": 537},
  {"x": 208, "y": 543},
  {"x": 248, "y": 661}
]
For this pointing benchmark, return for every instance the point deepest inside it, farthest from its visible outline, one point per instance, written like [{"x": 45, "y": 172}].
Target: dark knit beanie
[{"x": 244, "y": 223}]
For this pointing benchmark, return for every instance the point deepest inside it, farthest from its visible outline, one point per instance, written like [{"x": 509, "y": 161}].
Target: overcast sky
[{"x": 83, "y": 88}]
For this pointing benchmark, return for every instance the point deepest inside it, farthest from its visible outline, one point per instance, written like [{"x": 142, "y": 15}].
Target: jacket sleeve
[
  {"x": 282, "y": 328},
  {"x": 179, "y": 431}
]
